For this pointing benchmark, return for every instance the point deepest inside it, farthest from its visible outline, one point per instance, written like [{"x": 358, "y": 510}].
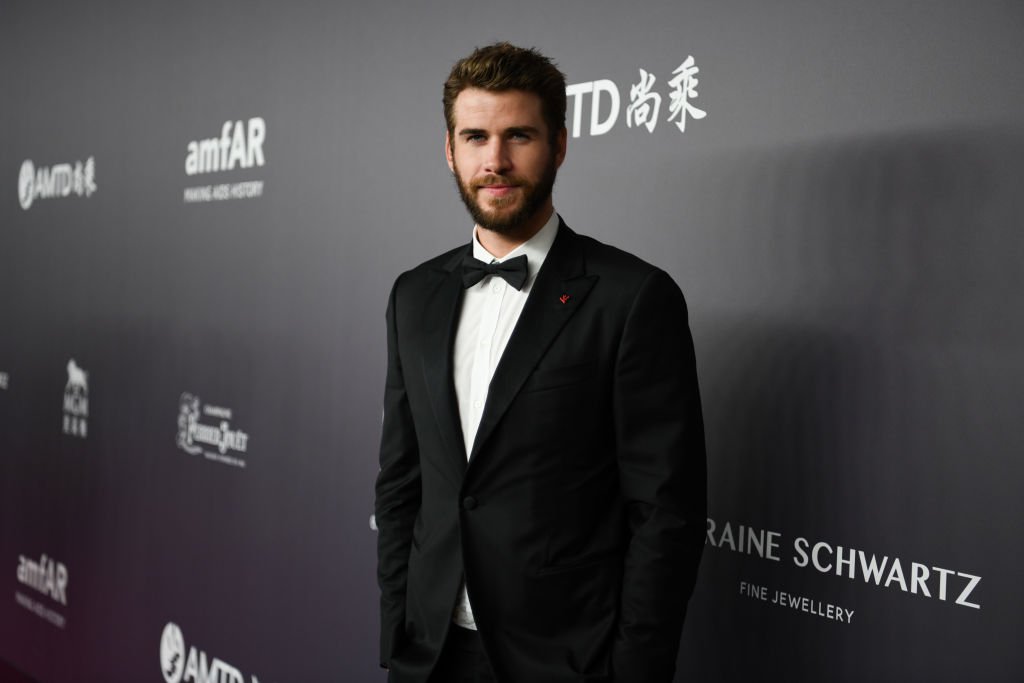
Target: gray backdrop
[{"x": 844, "y": 222}]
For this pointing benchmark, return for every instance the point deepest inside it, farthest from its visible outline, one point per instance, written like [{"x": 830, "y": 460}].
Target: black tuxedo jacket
[{"x": 579, "y": 518}]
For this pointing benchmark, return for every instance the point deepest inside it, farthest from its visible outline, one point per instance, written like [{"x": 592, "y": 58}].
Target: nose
[{"x": 497, "y": 160}]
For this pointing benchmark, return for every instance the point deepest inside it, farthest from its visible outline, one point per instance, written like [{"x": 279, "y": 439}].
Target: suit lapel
[
  {"x": 559, "y": 290},
  {"x": 440, "y": 316}
]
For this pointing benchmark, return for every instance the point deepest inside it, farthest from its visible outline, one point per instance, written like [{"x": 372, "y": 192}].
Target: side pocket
[{"x": 587, "y": 561}]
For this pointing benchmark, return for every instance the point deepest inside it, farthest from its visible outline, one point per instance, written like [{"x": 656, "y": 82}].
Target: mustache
[{"x": 488, "y": 181}]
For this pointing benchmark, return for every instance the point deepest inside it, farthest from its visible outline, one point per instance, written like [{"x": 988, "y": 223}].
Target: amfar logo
[
  {"x": 59, "y": 180},
  {"x": 192, "y": 433},
  {"x": 76, "y": 401},
  {"x": 645, "y": 103},
  {"x": 240, "y": 145},
  {"x": 177, "y": 667},
  {"x": 47, "y": 576}
]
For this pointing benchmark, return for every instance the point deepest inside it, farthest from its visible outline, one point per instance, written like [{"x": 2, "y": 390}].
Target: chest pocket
[{"x": 544, "y": 379}]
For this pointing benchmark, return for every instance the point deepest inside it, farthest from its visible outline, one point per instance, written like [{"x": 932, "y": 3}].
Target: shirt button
[
  {"x": 485, "y": 342},
  {"x": 477, "y": 404},
  {"x": 496, "y": 288},
  {"x": 469, "y": 503}
]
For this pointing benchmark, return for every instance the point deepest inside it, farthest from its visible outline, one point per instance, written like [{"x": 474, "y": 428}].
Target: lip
[{"x": 498, "y": 190}]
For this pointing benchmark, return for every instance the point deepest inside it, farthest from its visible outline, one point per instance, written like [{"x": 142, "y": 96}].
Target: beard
[{"x": 533, "y": 197}]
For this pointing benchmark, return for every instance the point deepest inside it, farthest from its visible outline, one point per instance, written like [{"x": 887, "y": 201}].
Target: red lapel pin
[{"x": 563, "y": 298}]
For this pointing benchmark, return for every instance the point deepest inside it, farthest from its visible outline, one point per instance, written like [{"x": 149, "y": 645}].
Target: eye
[
  {"x": 520, "y": 136},
  {"x": 475, "y": 137}
]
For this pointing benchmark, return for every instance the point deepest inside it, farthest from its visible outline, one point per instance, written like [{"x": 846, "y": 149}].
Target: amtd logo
[
  {"x": 59, "y": 180},
  {"x": 645, "y": 109},
  {"x": 177, "y": 666}
]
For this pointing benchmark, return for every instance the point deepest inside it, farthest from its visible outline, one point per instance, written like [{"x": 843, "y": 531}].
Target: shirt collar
[{"x": 536, "y": 249}]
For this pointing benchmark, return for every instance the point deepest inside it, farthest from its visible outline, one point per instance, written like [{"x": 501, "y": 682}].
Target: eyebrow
[
  {"x": 523, "y": 129},
  {"x": 512, "y": 129}
]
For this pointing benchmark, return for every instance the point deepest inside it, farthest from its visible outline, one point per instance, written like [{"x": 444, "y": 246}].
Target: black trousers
[{"x": 463, "y": 659}]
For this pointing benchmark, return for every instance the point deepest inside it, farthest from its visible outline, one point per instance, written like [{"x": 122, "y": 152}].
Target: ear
[
  {"x": 448, "y": 151},
  {"x": 560, "y": 147}
]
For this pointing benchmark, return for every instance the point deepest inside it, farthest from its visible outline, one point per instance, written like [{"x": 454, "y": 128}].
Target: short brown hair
[{"x": 503, "y": 66}]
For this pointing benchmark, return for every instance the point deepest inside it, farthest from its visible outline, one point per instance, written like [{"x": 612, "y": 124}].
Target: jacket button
[{"x": 468, "y": 503}]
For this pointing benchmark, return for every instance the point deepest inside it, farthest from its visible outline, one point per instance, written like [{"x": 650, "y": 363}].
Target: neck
[{"x": 499, "y": 244}]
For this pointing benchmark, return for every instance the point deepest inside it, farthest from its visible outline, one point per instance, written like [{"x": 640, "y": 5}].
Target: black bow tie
[{"x": 512, "y": 271}]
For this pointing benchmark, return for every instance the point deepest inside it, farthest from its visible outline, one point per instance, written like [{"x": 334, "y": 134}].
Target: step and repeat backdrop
[{"x": 203, "y": 207}]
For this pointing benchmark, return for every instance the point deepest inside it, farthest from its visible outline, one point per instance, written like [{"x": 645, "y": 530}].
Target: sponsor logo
[
  {"x": 179, "y": 665},
  {"x": 76, "y": 401},
  {"x": 801, "y": 603},
  {"x": 240, "y": 146},
  {"x": 925, "y": 580},
  {"x": 5, "y": 380},
  {"x": 48, "y": 577},
  {"x": 59, "y": 180},
  {"x": 647, "y": 106},
  {"x": 194, "y": 436}
]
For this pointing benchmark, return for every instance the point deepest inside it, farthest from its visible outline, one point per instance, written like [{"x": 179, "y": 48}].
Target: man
[{"x": 541, "y": 498}]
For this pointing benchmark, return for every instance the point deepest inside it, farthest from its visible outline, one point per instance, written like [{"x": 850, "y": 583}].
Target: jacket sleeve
[
  {"x": 662, "y": 468},
  {"x": 397, "y": 494}
]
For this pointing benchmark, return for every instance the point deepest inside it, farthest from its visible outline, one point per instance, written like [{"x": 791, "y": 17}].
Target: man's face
[{"x": 502, "y": 159}]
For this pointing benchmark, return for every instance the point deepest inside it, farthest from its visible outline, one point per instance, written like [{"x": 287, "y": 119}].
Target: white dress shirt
[{"x": 490, "y": 310}]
